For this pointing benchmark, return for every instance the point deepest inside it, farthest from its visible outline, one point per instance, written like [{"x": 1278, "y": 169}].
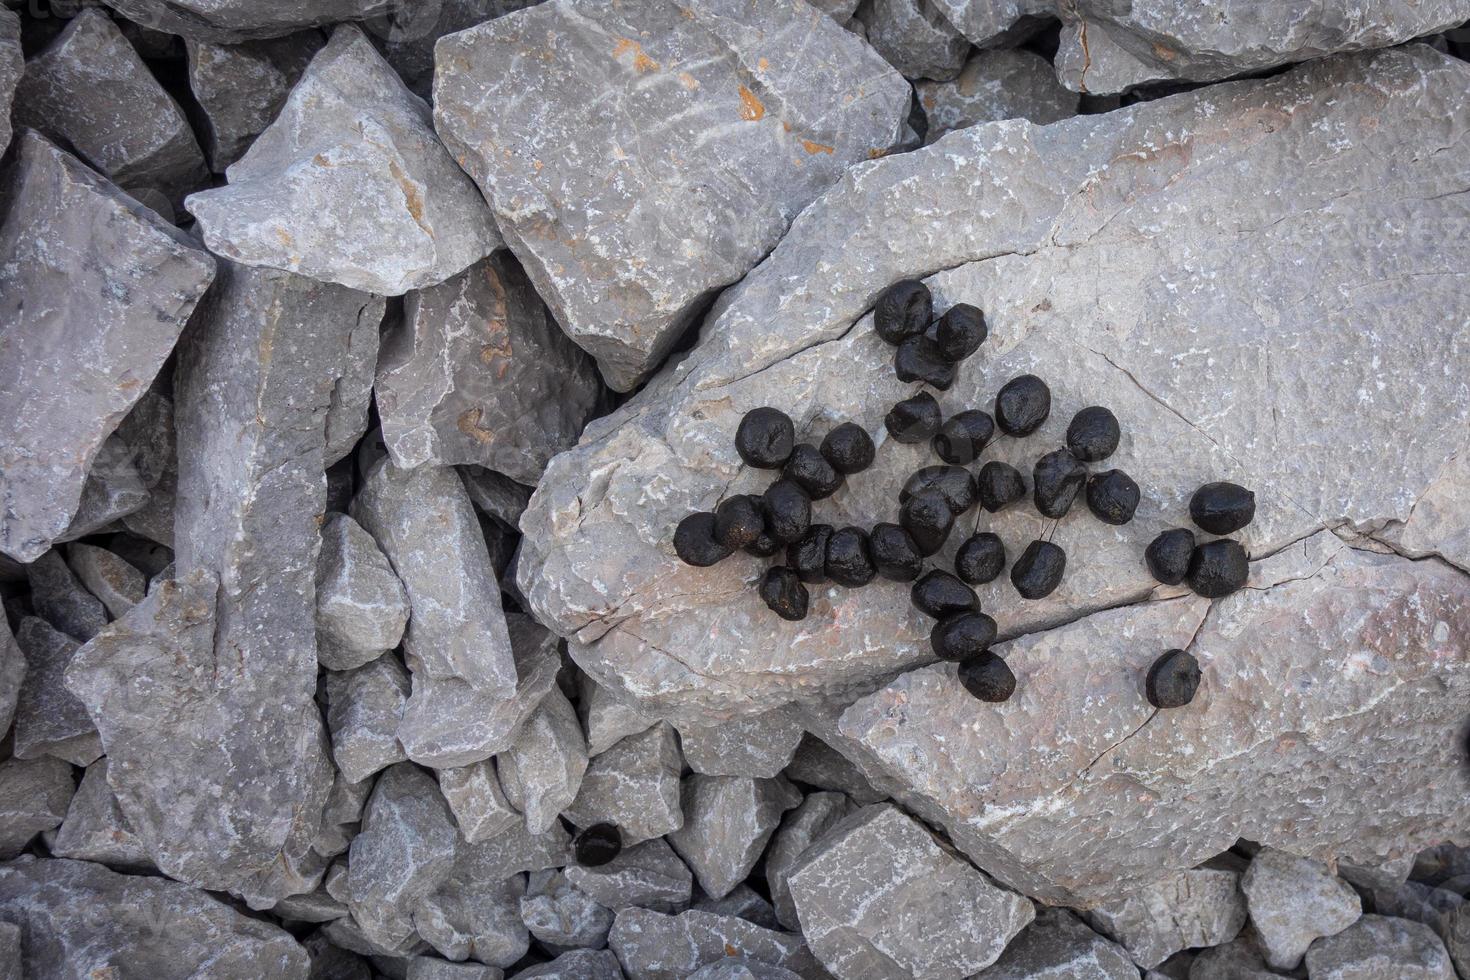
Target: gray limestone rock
[
  {"x": 117, "y": 584},
  {"x": 994, "y": 85},
  {"x": 742, "y": 969},
  {"x": 1441, "y": 863},
  {"x": 727, "y": 822},
  {"x": 331, "y": 962},
  {"x": 799, "y": 829},
  {"x": 479, "y": 372},
  {"x": 349, "y": 184},
  {"x": 495, "y": 494},
  {"x": 654, "y": 946},
  {"x": 341, "y": 816},
  {"x": 720, "y": 114},
  {"x": 432, "y": 968},
  {"x": 415, "y": 30},
  {"x": 606, "y": 717},
  {"x": 1293, "y": 901},
  {"x": 879, "y": 897},
  {"x": 760, "y": 746},
  {"x": 147, "y": 437},
  {"x": 542, "y": 769},
  {"x": 477, "y": 800},
  {"x": 1239, "y": 959},
  {"x": 12, "y": 65},
  {"x": 90, "y": 89},
  {"x": 115, "y": 489},
  {"x": 1376, "y": 947},
  {"x": 1058, "y": 944},
  {"x": 12, "y": 675},
  {"x": 49, "y": 718},
  {"x": 475, "y": 915},
  {"x": 364, "y": 707},
  {"x": 742, "y": 901},
  {"x": 11, "y": 959},
  {"x": 647, "y": 875},
  {"x": 818, "y": 764},
  {"x": 1198, "y": 907},
  {"x": 361, "y": 607},
  {"x": 229, "y": 21},
  {"x": 241, "y": 87},
  {"x": 996, "y": 23},
  {"x": 347, "y": 417},
  {"x": 59, "y": 598},
  {"x": 634, "y": 784},
  {"x": 563, "y": 916},
  {"x": 317, "y": 906},
  {"x": 96, "y": 829},
  {"x": 579, "y": 964},
  {"x": 93, "y": 280},
  {"x": 914, "y": 37},
  {"x": 135, "y": 926},
  {"x": 513, "y": 850},
  {"x": 34, "y": 795}
]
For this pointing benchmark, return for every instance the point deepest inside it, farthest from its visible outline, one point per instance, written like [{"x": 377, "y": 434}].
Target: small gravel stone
[
  {"x": 894, "y": 553},
  {"x": 1173, "y": 679},
  {"x": 914, "y": 420},
  {"x": 954, "y": 482},
  {"x": 808, "y": 557},
  {"x": 739, "y": 521},
  {"x": 999, "y": 485},
  {"x": 1093, "y": 434},
  {"x": 964, "y": 436},
  {"x": 848, "y": 448},
  {"x": 919, "y": 359},
  {"x": 1022, "y": 405},
  {"x": 928, "y": 519},
  {"x": 960, "y": 332},
  {"x": 980, "y": 559},
  {"x": 1167, "y": 555},
  {"x": 809, "y": 469},
  {"x": 1112, "y": 496},
  {"x": 1055, "y": 482},
  {"x": 987, "y": 677},
  {"x": 1218, "y": 568},
  {"x": 788, "y": 511},
  {"x": 1293, "y": 901},
  {"x": 850, "y": 558},
  {"x": 941, "y": 595},
  {"x": 1039, "y": 570},
  {"x": 765, "y": 438},
  {"x": 782, "y": 591},
  {"x": 1222, "y": 508},
  {"x": 962, "y": 636},
  {"x": 694, "y": 541},
  {"x": 903, "y": 310}
]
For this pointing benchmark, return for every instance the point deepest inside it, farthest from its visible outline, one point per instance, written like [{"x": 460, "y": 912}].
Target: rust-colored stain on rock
[
  {"x": 641, "y": 62},
  {"x": 751, "y": 108},
  {"x": 814, "y": 147}
]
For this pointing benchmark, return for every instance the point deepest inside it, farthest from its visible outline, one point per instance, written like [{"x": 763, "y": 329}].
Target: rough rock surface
[
  {"x": 654, "y": 946},
  {"x": 148, "y": 444},
  {"x": 760, "y": 746},
  {"x": 59, "y": 598},
  {"x": 117, "y": 584},
  {"x": 741, "y": 901},
  {"x": 364, "y": 707},
  {"x": 1377, "y": 946},
  {"x": 349, "y": 184},
  {"x": 94, "y": 281},
  {"x": 409, "y": 44},
  {"x": 241, "y": 87},
  {"x": 1058, "y": 944},
  {"x": 12, "y": 65},
  {"x": 226, "y": 21},
  {"x": 96, "y": 829},
  {"x": 579, "y": 964},
  {"x": 1293, "y": 901},
  {"x": 647, "y": 875},
  {"x": 727, "y": 822},
  {"x": 361, "y": 608},
  {"x": 495, "y": 494},
  {"x": 914, "y": 38},
  {"x": 542, "y": 769},
  {"x": 766, "y": 102},
  {"x": 34, "y": 795},
  {"x": 512, "y": 851},
  {"x": 740, "y": 968},
  {"x": 115, "y": 489},
  {"x": 818, "y": 764},
  {"x": 477, "y": 801},
  {"x": 12, "y": 674},
  {"x": 799, "y": 829},
  {"x": 1196, "y": 907},
  {"x": 634, "y": 784},
  {"x": 606, "y": 717},
  {"x": 49, "y": 718},
  {"x": 475, "y": 915},
  {"x": 995, "y": 85},
  {"x": 563, "y": 916}
]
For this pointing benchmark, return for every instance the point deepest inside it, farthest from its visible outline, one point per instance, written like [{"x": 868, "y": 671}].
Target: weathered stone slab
[
  {"x": 727, "y": 822},
  {"x": 579, "y": 964},
  {"x": 1293, "y": 901},
  {"x": 634, "y": 784},
  {"x": 364, "y": 707},
  {"x": 759, "y": 747},
  {"x": 1058, "y": 944},
  {"x": 228, "y": 21},
  {"x": 914, "y": 38},
  {"x": 542, "y": 769},
  {"x": 471, "y": 915},
  {"x": 995, "y": 85},
  {"x": 561, "y": 916},
  {"x": 241, "y": 87},
  {"x": 49, "y": 719},
  {"x": 349, "y": 185},
  {"x": 34, "y": 795},
  {"x": 654, "y": 946},
  {"x": 361, "y": 607},
  {"x": 647, "y": 875},
  {"x": 1377, "y": 946},
  {"x": 799, "y": 829},
  {"x": 721, "y": 114},
  {"x": 118, "y": 585},
  {"x": 96, "y": 829},
  {"x": 477, "y": 800},
  {"x": 59, "y": 598},
  {"x": 12, "y": 66},
  {"x": 1195, "y": 907},
  {"x": 93, "y": 281}
]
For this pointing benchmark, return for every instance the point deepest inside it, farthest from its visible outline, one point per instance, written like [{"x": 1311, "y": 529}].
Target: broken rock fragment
[
  {"x": 654, "y": 946},
  {"x": 1379, "y": 946},
  {"x": 228, "y": 21},
  {"x": 477, "y": 801},
  {"x": 60, "y": 599},
  {"x": 361, "y": 607},
  {"x": 1197, "y": 907},
  {"x": 727, "y": 822},
  {"x": 364, "y": 707},
  {"x": 799, "y": 829},
  {"x": 117, "y": 584},
  {"x": 579, "y": 964},
  {"x": 473, "y": 915},
  {"x": 1293, "y": 901},
  {"x": 634, "y": 785},
  {"x": 996, "y": 84},
  {"x": 818, "y": 764},
  {"x": 920, "y": 44},
  {"x": 49, "y": 719},
  {"x": 759, "y": 747},
  {"x": 606, "y": 717},
  {"x": 1058, "y": 944},
  {"x": 241, "y": 87},
  {"x": 561, "y": 915},
  {"x": 647, "y": 875},
  {"x": 34, "y": 795},
  {"x": 95, "y": 828},
  {"x": 542, "y": 769}
]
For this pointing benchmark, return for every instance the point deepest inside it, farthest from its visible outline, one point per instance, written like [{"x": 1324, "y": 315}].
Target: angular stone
[
  {"x": 513, "y": 850},
  {"x": 93, "y": 280},
  {"x": 760, "y": 746},
  {"x": 579, "y": 964},
  {"x": 431, "y": 968},
  {"x": 364, "y": 707},
  {"x": 995, "y": 85},
  {"x": 96, "y": 829},
  {"x": 654, "y": 946},
  {"x": 799, "y": 829},
  {"x": 60, "y": 599},
  {"x": 561, "y": 915},
  {"x": 1440, "y": 521},
  {"x": 341, "y": 816},
  {"x": 818, "y": 764},
  {"x": 741, "y": 901},
  {"x": 474, "y": 916},
  {"x": 479, "y": 372},
  {"x": 347, "y": 417},
  {"x": 727, "y": 822},
  {"x": 409, "y": 43},
  {"x": 914, "y": 38},
  {"x": 49, "y": 718},
  {"x": 647, "y": 875},
  {"x": 477, "y": 800},
  {"x": 998, "y": 23},
  {"x": 11, "y": 962},
  {"x": 1058, "y": 944},
  {"x": 240, "y": 88},
  {"x": 635, "y": 785},
  {"x": 1239, "y": 959},
  {"x": 12, "y": 675},
  {"x": 1377, "y": 946},
  {"x": 742, "y": 969},
  {"x": 115, "y": 490},
  {"x": 12, "y": 66},
  {"x": 1293, "y": 901},
  {"x": 361, "y": 607},
  {"x": 317, "y": 906},
  {"x": 331, "y": 962},
  {"x": 136, "y": 926},
  {"x": 606, "y": 717},
  {"x": 228, "y": 21},
  {"x": 117, "y": 584},
  {"x": 1198, "y": 907},
  {"x": 34, "y": 794},
  {"x": 597, "y": 564},
  {"x": 147, "y": 435},
  {"x": 495, "y": 494},
  {"x": 767, "y": 102},
  {"x": 542, "y": 770},
  {"x": 349, "y": 184}
]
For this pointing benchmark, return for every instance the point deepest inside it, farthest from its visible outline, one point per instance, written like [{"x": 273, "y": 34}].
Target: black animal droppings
[
  {"x": 1055, "y": 481},
  {"x": 739, "y": 520},
  {"x": 928, "y": 518},
  {"x": 914, "y": 420},
  {"x": 1022, "y": 405},
  {"x": 1172, "y": 680},
  {"x": 765, "y": 438},
  {"x": 782, "y": 590},
  {"x": 811, "y": 471},
  {"x": 939, "y": 594},
  {"x": 694, "y": 541},
  {"x": 764, "y": 546},
  {"x": 919, "y": 359},
  {"x": 894, "y": 553},
  {"x": 903, "y": 310},
  {"x": 1093, "y": 434},
  {"x": 987, "y": 677},
  {"x": 848, "y": 448},
  {"x": 1167, "y": 555},
  {"x": 788, "y": 511},
  {"x": 999, "y": 485},
  {"x": 849, "y": 558},
  {"x": 808, "y": 557},
  {"x": 964, "y": 436},
  {"x": 1218, "y": 568},
  {"x": 1222, "y": 508},
  {"x": 954, "y": 482},
  {"x": 597, "y": 845},
  {"x": 1039, "y": 570},
  {"x": 1112, "y": 496},
  {"x": 962, "y": 636},
  {"x": 980, "y": 559},
  {"x": 960, "y": 332}
]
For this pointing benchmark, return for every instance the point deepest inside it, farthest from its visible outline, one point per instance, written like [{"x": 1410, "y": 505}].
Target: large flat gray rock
[
  {"x": 241, "y": 87},
  {"x": 226, "y": 21},
  {"x": 640, "y": 157},
  {"x": 1103, "y": 250}
]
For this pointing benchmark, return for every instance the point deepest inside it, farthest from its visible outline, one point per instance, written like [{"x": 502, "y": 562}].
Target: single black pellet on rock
[
  {"x": 903, "y": 310},
  {"x": 811, "y": 471},
  {"x": 954, "y": 482},
  {"x": 764, "y": 546},
  {"x": 1172, "y": 680},
  {"x": 960, "y": 332},
  {"x": 1112, "y": 497},
  {"x": 808, "y": 557},
  {"x": 987, "y": 677},
  {"x": 782, "y": 591},
  {"x": 848, "y": 448},
  {"x": 941, "y": 595},
  {"x": 1022, "y": 405},
  {"x": 894, "y": 553},
  {"x": 1055, "y": 481},
  {"x": 963, "y": 437},
  {"x": 1039, "y": 570},
  {"x": 765, "y": 438},
  {"x": 1167, "y": 555},
  {"x": 999, "y": 485},
  {"x": 849, "y": 558},
  {"x": 597, "y": 845},
  {"x": 1222, "y": 508},
  {"x": 788, "y": 511},
  {"x": 928, "y": 518},
  {"x": 694, "y": 541},
  {"x": 918, "y": 359},
  {"x": 980, "y": 559},
  {"x": 962, "y": 635},
  {"x": 739, "y": 520},
  {"x": 1218, "y": 568},
  {"x": 1093, "y": 434},
  {"x": 914, "y": 420}
]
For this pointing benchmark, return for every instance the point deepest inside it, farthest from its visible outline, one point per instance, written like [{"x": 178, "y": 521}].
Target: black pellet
[
  {"x": 597, "y": 845},
  {"x": 810, "y": 471},
  {"x": 1055, "y": 481},
  {"x": 941, "y": 595},
  {"x": 964, "y": 436},
  {"x": 960, "y": 332},
  {"x": 894, "y": 553},
  {"x": 1112, "y": 496},
  {"x": 808, "y": 557},
  {"x": 694, "y": 541},
  {"x": 903, "y": 310},
  {"x": 914, "y": 420},
  {"x": 1022, "y": 405},
  {"x": 918, "y": 359},
  {"x": 962, "y": 636},
  {"x": 739, "y": 520},
  {"x": 928, "y": 518},
  {"x": 980, "y": 559},
  {"x": 954, "y": 482},
  {"x": 1222, "y": 508},
  {"x": 999, "y": 485},
  {"x": 1167, "y": 555},
  {"x": 788, "y": 511},
  {"x": 764, "y": 546},
  {"x": 1218, "y": 568},
  {"x": 781, "y": 589},
  {"x": 849, "y": 558},
  {"x": 1038, "y": 572},
  {"x": 987, "y": 677},
  {"x": 1172, "y": 680},
  {"x": 848, "y": 448},
  {"x": 765, "y": 438},
  {"x": 1093, "y": 434}
]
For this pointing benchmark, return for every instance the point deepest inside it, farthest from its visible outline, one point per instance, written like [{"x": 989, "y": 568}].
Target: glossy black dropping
[
  {"x": 1112, "y": 496},
  {"x": 999, "y": 485},
  {"x": 788, "y": 511},
  {"x": 764, "y": 546},
  {"x": 964, "y": 436},
  {"x": 960, "y": 332},
  {"x": 782, "y": 591},
  {"x": 694, "y": 541},
  {"x": 1167, "y": 555},
  {"x": 848, "y": 448},
  {"x": 1093, "y": 434},
  {"x": 928, "y": 518},
  {"x": 1222, "y": 508},
  {"x": 597, "y": 845},
  {"x": 953, "y": 482},
  {"x": 1055, "y": 481},
  {"x": 808, "y": 557},
  {"x": 1039, "y": 570},
  {"x": 739, "y": 520},
  {"x": 962, "y": 635},
  {"x": 918, "y": 359},
  {"x": 903, "y": 310},
  {"x": 1172, "y": 680},
  {"x": 894, "y": 553},
  {"x": 987, "y": 677},
  {"x": 980, "y": 559},
  {"x": 849, "y": 558},
  {"x": 1022, "y": 405},
  {"x": 941, "y": 595},
  {"x": 914, "y": 420},
  {"x": 1218, "y": 568},
  {"x": 765, "y": 438},
  {"x": 808, "y": 469}
]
